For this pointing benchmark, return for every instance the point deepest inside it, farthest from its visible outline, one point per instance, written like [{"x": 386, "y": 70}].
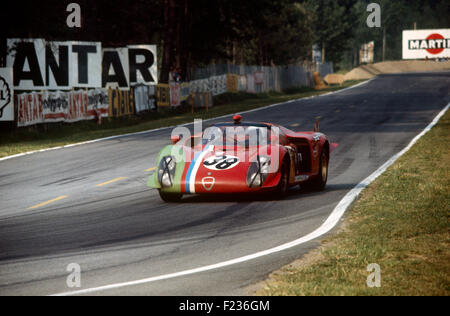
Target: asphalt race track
[{"x": 121, "y": 231}]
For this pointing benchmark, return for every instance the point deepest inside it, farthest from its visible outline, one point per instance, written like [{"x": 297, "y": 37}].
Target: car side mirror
[{"x": 175, "y": 139}]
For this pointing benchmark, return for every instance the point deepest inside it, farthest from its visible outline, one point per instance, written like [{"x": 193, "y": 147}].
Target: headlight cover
[
  {"x": 166, "y": 171},
  {"x": 258, "y": 172}
]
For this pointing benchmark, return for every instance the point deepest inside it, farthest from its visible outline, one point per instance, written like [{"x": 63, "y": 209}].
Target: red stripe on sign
[
  {"x": 436, "y": 51},
  {"x": 54, "y": 115}
]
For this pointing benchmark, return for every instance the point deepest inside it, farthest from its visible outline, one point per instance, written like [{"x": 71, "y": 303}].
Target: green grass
[
  {"x": 400, "y": 222},
  {"x": 58, "y": 134}
]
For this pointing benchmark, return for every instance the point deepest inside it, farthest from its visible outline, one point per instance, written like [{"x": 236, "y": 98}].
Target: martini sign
[{"x": 429, "y": 44}]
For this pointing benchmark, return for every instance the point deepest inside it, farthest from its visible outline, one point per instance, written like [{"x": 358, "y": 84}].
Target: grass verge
[
  {"x": 58, "y": 134},
  {"x": 400, "y": 222}
]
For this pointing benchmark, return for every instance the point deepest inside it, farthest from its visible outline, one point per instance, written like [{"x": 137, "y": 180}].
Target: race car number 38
[{"x": 221, "y": 162}]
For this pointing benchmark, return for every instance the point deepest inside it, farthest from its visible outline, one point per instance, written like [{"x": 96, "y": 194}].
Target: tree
[
  {"x": 397, "y": 16},
  {"x": 283, "y": 33},
  {"x": 333, "y": 24}
]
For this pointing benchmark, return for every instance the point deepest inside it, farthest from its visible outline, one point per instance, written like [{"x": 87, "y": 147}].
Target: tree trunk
[
  {"x": 260, "y": 49},
  {"x": 234, "y": 52},
  {"x": 323, "y": 52},
  {"x": 179, "y": 15},
  {"x": 169, "y": 39}
]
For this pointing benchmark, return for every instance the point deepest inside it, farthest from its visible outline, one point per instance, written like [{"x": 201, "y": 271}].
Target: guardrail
[{"x": 75, "y": 105}]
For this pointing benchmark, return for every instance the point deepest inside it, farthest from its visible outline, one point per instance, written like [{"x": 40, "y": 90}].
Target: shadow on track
[{"x": 293, "y": 194}]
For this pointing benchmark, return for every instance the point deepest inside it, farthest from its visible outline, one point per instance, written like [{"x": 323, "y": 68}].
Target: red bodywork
[{"x": 301, "y": 151}]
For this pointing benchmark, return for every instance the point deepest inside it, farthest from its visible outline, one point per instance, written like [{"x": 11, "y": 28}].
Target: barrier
[
  {"x": 163, "y": 94},
  {"x": 121, "y": 102},
  {"x": 185, "y": 91},
  {"x": 30, "y": 109},
  {"x": 259, "y": 77},
  {"x": 77, "y": 110},
  {"x": 334, "y": 79},
  {"x": 217, "y": 85},
  {"x": 35, "y": 108},
  {"x": 232, "y": 83},
  {"x": 242, "y": 84},
  {"x": 250, "y": 79},
  {"x": 59, "y": 106},
  {"x": 201, "y": 100},
  {"x": 318, "y": 83},
  {"x": 144, "y": 98},
  {"x": 266, "y": 78},
  {"x": 175, "y": 94},
  {"x": 199, "y": 86},
  {"x": 98, "y": 104}
]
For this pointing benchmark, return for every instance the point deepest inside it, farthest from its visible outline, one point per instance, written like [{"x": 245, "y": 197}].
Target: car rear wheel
[
  {"x": 319, "y": 182},
  {"x": 170, "y": 197}
]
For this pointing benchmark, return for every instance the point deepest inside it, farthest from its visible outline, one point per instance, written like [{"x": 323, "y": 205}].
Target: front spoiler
[{"x": 218, "y": 188}]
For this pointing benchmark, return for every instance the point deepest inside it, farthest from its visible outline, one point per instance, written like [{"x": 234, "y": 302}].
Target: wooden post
[{"x": 323, "y": 52}]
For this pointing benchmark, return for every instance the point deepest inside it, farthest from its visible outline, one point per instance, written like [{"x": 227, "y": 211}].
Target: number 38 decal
[{"x": 221, "y": 162}]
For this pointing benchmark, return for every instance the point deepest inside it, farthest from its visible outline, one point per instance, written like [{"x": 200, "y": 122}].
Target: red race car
[{"x": 242, "y": 157}]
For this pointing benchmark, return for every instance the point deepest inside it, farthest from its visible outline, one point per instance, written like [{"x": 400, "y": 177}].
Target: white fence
[{"x": 259, "y": 79}]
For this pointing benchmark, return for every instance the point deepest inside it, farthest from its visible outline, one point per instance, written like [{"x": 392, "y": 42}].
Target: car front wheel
[
  {"x": 283, "y": 185},
  {"x": 170, "y": 197}
]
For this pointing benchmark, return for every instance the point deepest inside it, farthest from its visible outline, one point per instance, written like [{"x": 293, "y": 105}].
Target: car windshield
[{"x": 237, "y": 135}]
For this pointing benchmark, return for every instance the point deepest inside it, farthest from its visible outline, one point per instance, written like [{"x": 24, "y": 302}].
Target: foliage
[
  {"x": 198, "y": 32},
  {"x": 397, "y": 16}
]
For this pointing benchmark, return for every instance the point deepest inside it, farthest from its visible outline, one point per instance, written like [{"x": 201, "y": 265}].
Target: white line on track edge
[
  {"x": 329, "y": 224},
  {"x": 168, "y": 127}
]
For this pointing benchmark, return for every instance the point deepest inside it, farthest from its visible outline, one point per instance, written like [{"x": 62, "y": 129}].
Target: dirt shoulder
[{"x": 392, "y": 67}]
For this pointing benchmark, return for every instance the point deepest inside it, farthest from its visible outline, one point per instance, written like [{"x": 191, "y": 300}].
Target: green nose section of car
[{"x": 178, "y": 153}]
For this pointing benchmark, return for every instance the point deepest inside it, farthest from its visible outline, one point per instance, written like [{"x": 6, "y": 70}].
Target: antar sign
[
  {"x": 426, "y": 44},
  {"x": 41, "y": 65}
]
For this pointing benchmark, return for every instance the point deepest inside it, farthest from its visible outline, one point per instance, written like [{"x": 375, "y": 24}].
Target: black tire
[
  {"x": 319, "y": 182},
  {"x": 283, "y": 185},
  {"x": 170, "y": 197}
]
